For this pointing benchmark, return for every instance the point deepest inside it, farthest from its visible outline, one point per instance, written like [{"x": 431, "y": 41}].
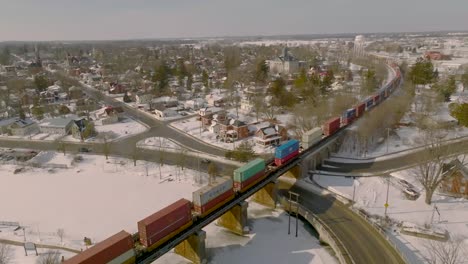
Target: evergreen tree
[{"x": 460, "y": 112}]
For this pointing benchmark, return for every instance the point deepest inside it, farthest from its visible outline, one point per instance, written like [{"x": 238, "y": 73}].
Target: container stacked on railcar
[
  {"x": 118, "y": 248},
  {"x": 164, "y": 224},
  {"x": 331, "y": 126},
  {"x": 212, "y": 196},
  {"x": 311, "y": 137},
  {"x": 360, "y": 109},
  {"x": 348, "y": 116},
  {"x": 286, "y": 152},
  {"x": 249, "y": 174}
]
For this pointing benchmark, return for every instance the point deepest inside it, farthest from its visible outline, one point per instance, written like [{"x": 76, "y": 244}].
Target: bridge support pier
[
  {"x": 193, "y": 248},
  {"x": 267, "y": 196},
  {"x": 235, "y": 219},
  {"x": 295, "y": 172}
]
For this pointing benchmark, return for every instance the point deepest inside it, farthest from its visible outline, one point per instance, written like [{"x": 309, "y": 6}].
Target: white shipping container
[
  {"x": 312, "y": 136},
  {"x": 210, "y": 192}
]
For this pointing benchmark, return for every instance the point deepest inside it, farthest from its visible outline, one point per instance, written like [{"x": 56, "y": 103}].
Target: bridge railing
[
  {"x": 326, "y": 233},
  {"x": 382, "y": 231}
]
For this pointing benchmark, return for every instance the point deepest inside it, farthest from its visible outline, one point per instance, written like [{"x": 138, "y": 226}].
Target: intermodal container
[
  {"x": 115, "y": 249},
  {"x": 383, "y": 95},
  {"x": 369, "y": 103},
  {"x": 286, "y": 152},
  {"x": 360, "y": 109},
  {"x": 210, "y": 197},
  {"x": 248, "y": 174},
  {"x": 376, "y": 99},
  {"x": 331, "y": 126},
  {"x": 348, "y": 116},
  {"x": 311, "y": 137},
  {"x": 158, "y": 227}
]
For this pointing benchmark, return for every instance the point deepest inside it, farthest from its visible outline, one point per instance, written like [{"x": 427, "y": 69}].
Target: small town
[{"x": 211, "y": 146}]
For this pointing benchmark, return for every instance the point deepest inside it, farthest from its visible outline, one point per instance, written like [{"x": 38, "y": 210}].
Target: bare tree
[
  {"x": 430, "y": 171},
  {"x": 61, "y": 234},
  {"x": 50, "y": 257},
  {"x": 106, "y": 147},
  {"x": 212, "y": 171},
  {"x": 5, "y": 253},
  {"x": 449, "y": 252}
]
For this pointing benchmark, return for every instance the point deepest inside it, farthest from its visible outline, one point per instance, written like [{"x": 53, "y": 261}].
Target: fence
[
  {"x": 326, "y": 234},
  {"x": 8, "y": 223}
]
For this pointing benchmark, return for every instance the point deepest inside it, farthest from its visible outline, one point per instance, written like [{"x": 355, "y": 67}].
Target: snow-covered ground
[
  {"x": 17, "y": 255},
  {"x": 404, "y": 138},
  {"x": 121, "y": 129},
  {"x": 96, "y": 198},
  {"x": 370, "y": 195},
  {"x": 268, "y": 242},
  {"x": 158, "y": 143},
  {"x": 115, "y": 131}
]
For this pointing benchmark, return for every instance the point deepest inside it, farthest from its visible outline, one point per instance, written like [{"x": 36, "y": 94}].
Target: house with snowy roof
[
  {"x": 270, "y": 135},
  {"x": 24, "y": 127}
]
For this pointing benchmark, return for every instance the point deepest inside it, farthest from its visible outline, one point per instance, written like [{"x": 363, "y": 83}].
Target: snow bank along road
[
  {"x": 364, "y": 244},
  {"x": 392, "y": 163}
]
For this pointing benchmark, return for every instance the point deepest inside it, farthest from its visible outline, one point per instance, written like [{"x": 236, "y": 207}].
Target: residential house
[
  {"x": 24, "y": 127},
  {"x": 165, "y": 113},
  {"x": 240, "y": 127},
  {"x": 215, "y": 100},
  {"x": 164, "y": 101},
  {"x": 59, "y": 125},
  {"x": 457, "y": 182},
  {"x": 195, "y": 104},
  {"x": 205, "y": 116},
  {"x": 78, "y": 127},
  {"x": 106, "y": 116},
  {"x": 267, "y": 135},
  {"x": 5, "y": 125},
  {"x": 143, "y": 98}
]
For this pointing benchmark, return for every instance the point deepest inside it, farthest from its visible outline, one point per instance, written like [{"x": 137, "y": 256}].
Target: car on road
[
  {"x": 84, "y": 150},
  {"x": 411, "y": 193},
  {"x": 405, "y": 183}
]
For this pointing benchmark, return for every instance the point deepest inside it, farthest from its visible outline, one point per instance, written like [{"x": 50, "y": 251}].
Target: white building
[
  {"x": 59, "y": 125},
  {"x": 285, "y": 64},
  {"x": 24, "y": 127},
  {"x": 359, "y": 42}
]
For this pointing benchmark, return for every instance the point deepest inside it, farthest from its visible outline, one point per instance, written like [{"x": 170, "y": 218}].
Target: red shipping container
[
  {"x": 376, "y": 99},
  {"x": 360, "y": 109},
  {"x": 279, "y": 162},
  {"x": 241, "y": 186},
  {"x": 160, "y": 224},
  {"x": 205, "y": 209},
  {"x": 105, "y": 251},
  {"x": 331, "y": 126}
]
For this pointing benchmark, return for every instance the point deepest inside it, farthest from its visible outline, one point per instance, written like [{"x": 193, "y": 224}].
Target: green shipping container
[{"x": 248, "y": 170}]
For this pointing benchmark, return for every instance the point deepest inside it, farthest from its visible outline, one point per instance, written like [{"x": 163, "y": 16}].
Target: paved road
[
  {"x": 398, "y": 162},
  {"x": 120, "y": 151},
  {"x": 363, "y": 243},
  {"x": 157, "y": 128}
]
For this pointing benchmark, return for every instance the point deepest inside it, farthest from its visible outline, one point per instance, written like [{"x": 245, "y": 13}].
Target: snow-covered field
[
  {"x": 370, "y": 195},
  {"x": 158, "y": 143},
  {"x": 96, "y": 198},
  {"x": 115, "y": 131}
]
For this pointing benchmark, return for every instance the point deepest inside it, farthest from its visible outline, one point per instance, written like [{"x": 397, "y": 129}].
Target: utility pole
[
  {"x": 386, "y": 199},
  {"x": 388, "y": 137},
  {"x": 354, "y": 190},
  {"x": 295, "y": 196}
]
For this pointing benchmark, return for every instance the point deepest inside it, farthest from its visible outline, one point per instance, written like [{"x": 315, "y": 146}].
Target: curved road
[
  {"x": 157, "y": 128},
  {"x": 391, "y": 162},
  {"x": 364, "y": 244}
]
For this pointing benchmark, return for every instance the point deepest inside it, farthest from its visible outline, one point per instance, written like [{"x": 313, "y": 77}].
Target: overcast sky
[{"x": 127, "y": 19}]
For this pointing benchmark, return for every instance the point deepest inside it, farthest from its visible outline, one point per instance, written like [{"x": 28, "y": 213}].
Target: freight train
[{"x": 163, "y": 225}]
